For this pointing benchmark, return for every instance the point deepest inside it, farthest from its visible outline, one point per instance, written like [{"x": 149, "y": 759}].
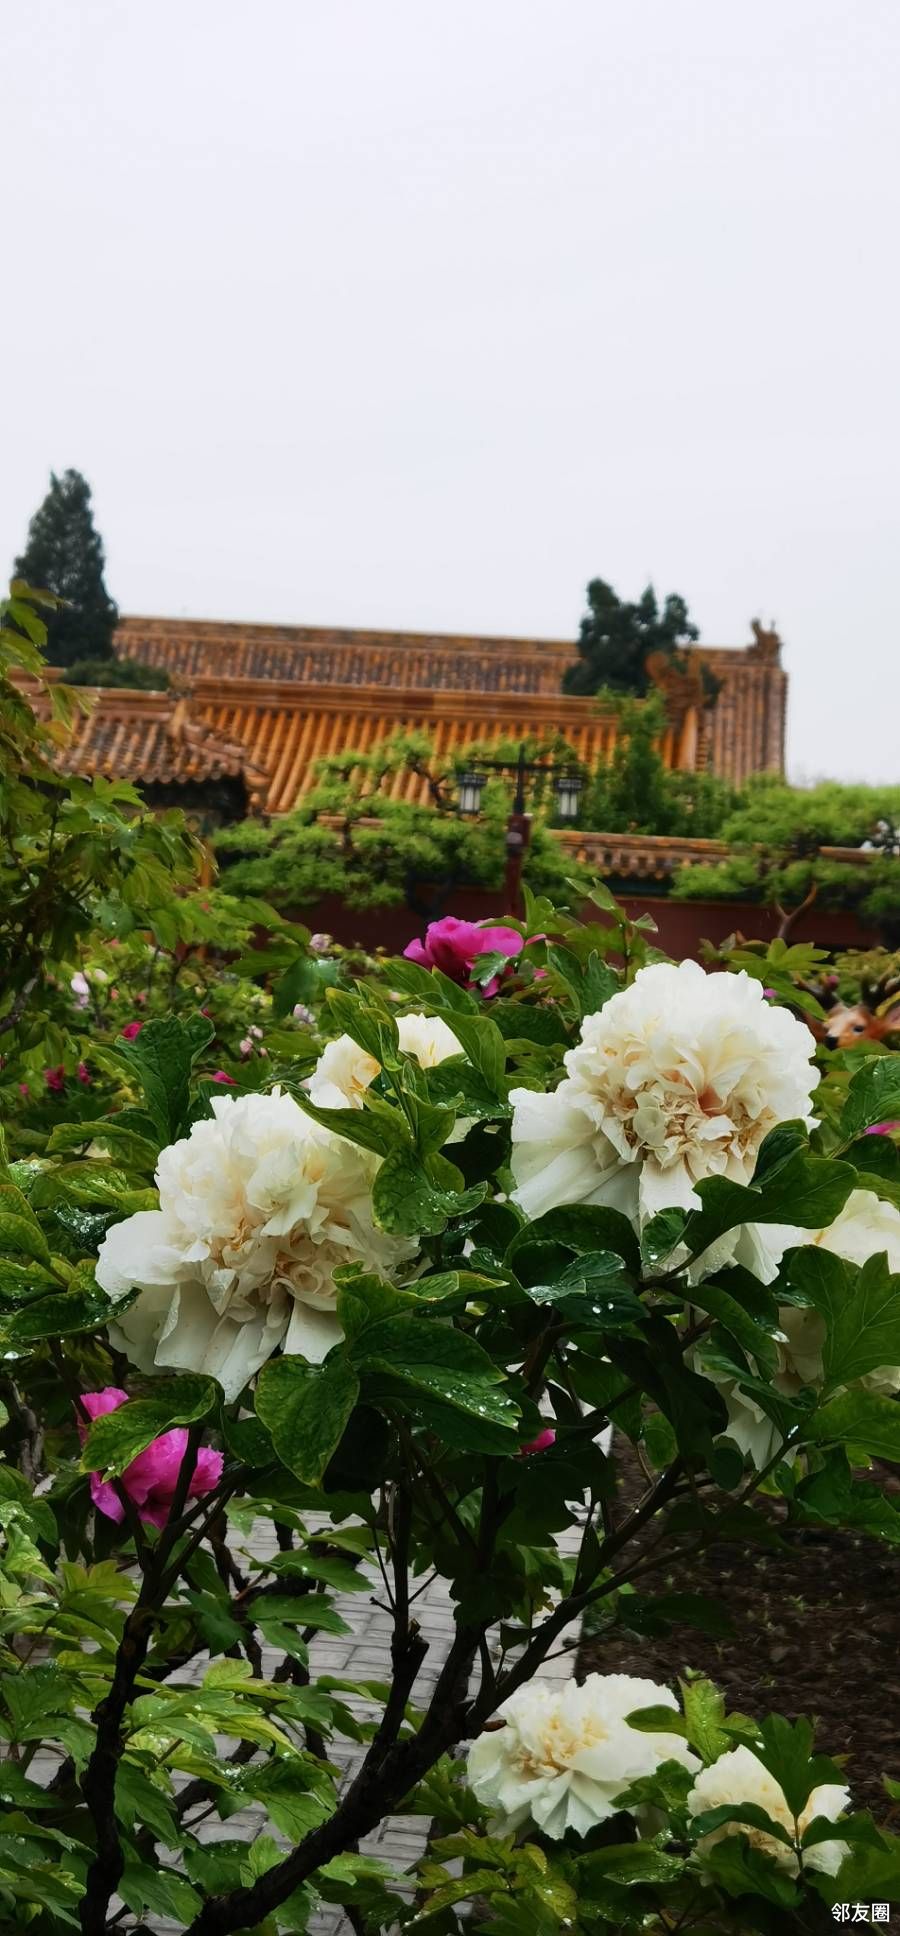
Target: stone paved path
[{"x": 364, "y": 1654}]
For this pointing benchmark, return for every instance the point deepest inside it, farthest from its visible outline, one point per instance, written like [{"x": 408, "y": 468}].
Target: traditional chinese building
[
  {"x": 287, "y": 695},
  {"x": 153, "y": 740}
]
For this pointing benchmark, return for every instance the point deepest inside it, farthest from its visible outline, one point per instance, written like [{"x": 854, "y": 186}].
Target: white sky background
[{"x": 420, "y": 313}]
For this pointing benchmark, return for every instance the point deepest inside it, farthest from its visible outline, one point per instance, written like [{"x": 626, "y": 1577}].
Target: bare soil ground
[{"x": 816, "y": 1631}]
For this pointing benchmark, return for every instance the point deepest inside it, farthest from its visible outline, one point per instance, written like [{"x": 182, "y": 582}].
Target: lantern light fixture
[
  {"x": 471, "y": 787},
  {"x": 568, "y": 795}
]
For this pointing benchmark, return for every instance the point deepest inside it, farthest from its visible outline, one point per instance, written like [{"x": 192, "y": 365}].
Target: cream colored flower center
[
  {"x": 664, "y": 1114},
  {"x": 560, "y": 1744}
]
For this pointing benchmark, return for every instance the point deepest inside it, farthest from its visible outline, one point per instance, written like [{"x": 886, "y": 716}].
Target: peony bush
[{"x": 380, "y": 1314}]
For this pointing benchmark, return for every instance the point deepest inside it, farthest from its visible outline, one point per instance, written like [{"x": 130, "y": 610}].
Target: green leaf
[
  {"x": 160, "y": 1890},
  {"x": 583, "y": 1226},
  {"x": 805, "y": 1190},
  {"x": 483, "y": 1044},
  {"x": 594, "y": 1291},
  {"x": 162, "y": 1058},
  {"x": 785, "y": 1748},
  {"x": 634, "y": 1862},
  {"x": 704, "y": 1713},
  {"x": 873, "y": 1096},
  {"x": 24, "y": 1237},
  {"x": 433, "y": 1369},
  {"x": 129, "y": 1144},
  {"x": 455, "y": 1084},
  {"x": 861, "y": 1307},
  {"x": 407, "y": 1202},
  {"x": 432, "y": 988},
  {"x": 750, "y": 1336},
  {"x": 115, "y": 1439},
  {"x": 745, "y": 1815},
  {"x": 61, "y": 1316},
  {"x": 143, "y": 1802},
  {"x": 519, "y": 1022},
  {"x": 377, "y": 1126},
  {"x": 860, "y": 1419},
  {"x": 662, "y": 1235},
  {"x": 661, "y": 1612},
  {"x": 19, "y": 1283},
  {"x": 869, "y": 1874},
  {"x": 743, "y": 1871},
  {"x": 305, "y": 1408},
  {"x": 364, "y": 1299},
  {"x": 310, "y": 1565},
  {"x": 832, "y": 1495},
  {"x": 374, "y": 1029}
]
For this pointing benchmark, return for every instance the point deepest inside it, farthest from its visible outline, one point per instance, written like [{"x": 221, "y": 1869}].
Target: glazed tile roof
[
  {"x": 744, "y": 733},
  {"x": 336, "y": 655},
  {"x": 286, "y": 728},
  {"x": 272, "y": 734},
  {"x": 152, "y": 738}
]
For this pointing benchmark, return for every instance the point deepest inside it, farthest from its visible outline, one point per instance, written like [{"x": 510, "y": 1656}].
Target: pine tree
[
  {"x": 616, "y": 639},
  {"x": 630, "y": 793},
  {"x": 64, "y": 554}
]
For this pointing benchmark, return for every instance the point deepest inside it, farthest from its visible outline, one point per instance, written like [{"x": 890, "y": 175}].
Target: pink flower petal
[
  {"x": 541, "y": 1443},
  {"x": 152, "y": 1478}
]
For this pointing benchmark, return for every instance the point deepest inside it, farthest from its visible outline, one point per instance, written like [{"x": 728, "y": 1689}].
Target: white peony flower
[
  {"x": 342, "y": 1075},
  {"x": 258, "y": 1207},
  {"x": 677, "y": 1078},
  {"x": 865, "y": 1227},
  {"x": 344, "y": 1071},
  {"x": 739, "y": 1778},
  {"x": 428, "y": 1038},
  {"x": 566, "y": 1752}
]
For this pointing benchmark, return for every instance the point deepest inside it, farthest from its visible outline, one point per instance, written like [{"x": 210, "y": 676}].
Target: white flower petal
[
  {"x": 566, "y": 1752},
  {"x": 738, "y": 1778},
  {"x": 679, "y": 1076},
  {"x": 258, "y": 1207}
]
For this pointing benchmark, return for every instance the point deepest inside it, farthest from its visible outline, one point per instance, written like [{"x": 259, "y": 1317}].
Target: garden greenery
[
  {"x": 384, "y": 1296},
  {"x": 776, "y": 833},
  {"x": 323, "y": 1280},
  {"x": 368, "y": 833}
]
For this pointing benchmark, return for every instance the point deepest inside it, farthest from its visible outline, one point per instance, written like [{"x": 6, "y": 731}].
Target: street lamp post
[{"x": 568, "y": 783}]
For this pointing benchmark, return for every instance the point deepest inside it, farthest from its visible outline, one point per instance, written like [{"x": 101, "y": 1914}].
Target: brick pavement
[{"x": 364, "y": 1654}]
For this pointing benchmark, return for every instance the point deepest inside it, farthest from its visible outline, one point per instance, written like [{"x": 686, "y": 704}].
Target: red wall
[{"x": 682, "y": 924}]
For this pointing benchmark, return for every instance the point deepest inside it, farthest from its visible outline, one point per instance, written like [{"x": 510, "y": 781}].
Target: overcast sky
[{"x": 420, "y": 313}]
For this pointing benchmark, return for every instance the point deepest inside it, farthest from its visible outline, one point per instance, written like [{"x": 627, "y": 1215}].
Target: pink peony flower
[
  {"x": 55, "y": 1079},
  {"x": 882, "y": 1129},
  {"x": 320, "y": 943},
  {"x": 84, "y": 1075},
  {"x": 130, "y": 1030},
  {"x": 151, "y": 1479},
  {"x": 220, "y": 1076},
  {"x": 453, "y": 946},
  {"x": 541, "y": 1443}
]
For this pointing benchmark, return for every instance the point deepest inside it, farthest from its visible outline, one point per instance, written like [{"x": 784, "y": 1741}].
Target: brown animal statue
[{"x": 845, "y": 1028}]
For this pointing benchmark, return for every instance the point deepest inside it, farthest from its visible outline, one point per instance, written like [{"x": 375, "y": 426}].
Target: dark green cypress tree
[
  {"x": 617, "y": 637},
  {"x": 64, "y": 554}
]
